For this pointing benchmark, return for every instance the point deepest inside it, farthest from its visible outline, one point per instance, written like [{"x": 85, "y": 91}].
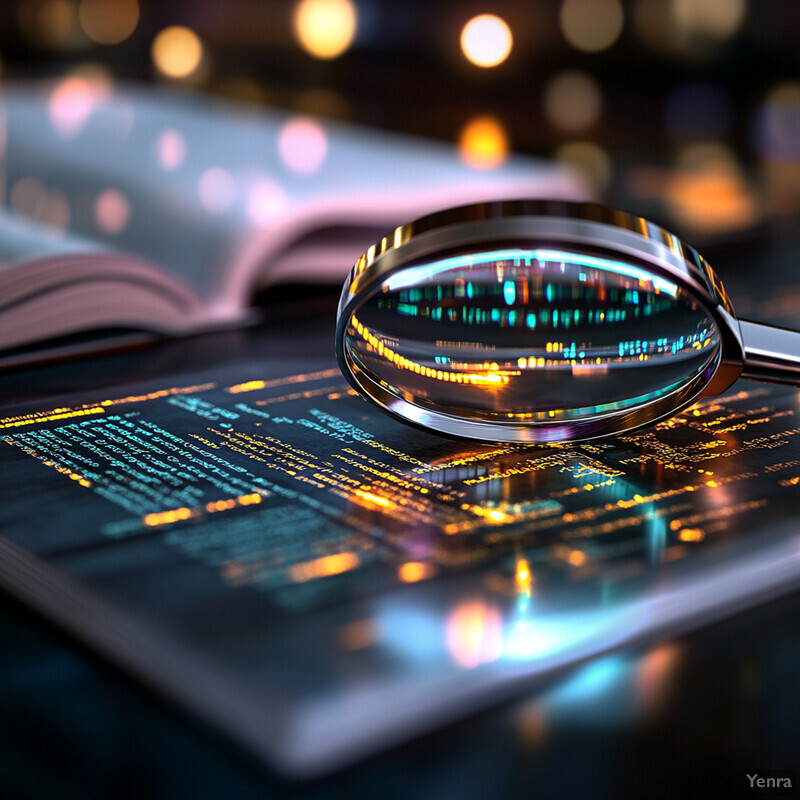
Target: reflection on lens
[{"x": 531, "y": 336}]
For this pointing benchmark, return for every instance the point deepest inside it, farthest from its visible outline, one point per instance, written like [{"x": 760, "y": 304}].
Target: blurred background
[{"x": 685, "y": 111}]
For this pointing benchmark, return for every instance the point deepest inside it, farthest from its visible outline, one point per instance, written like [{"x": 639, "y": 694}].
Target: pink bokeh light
[
  {"x": 171, "y": 149},
  {"x": 266, "y": 202},
  {"x": 217, "y": 190},
  {"x": 71, "y": 104},
  {"x": 112, "y": 211},
  {"x": 302, "y": 145}
]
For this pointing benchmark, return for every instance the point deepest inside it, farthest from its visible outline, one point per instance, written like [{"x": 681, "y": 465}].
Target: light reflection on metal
[{"x": 414, "y": 275}]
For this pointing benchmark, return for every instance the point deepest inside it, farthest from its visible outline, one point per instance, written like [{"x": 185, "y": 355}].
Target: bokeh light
[
  {"x": 325, "y": 28},
  {"x": 486, "y": 40},
  {"x": 572, "y": 102},
  {"x": 171, "y": 149},
  {"x": 30, "y": 198},
  {"x": 108, "y": 21},
  {"x": 593, "y": 163},
  {"x": 686, "y": 28},
  {"x": 266, "y": 202},
  {"x": 302, "y": 145},
  {"x": 50, "y": 23},
  {"x": 707, "y": 192},
  {"x": 72, "y": 101},
  {"x": 177, "y": 51},
  {"x": 483, "y": 143},
  {"x": 776, "y": 130},
  {"x": 217, "y": 190},
  {"x": 112, "y": 211},
  {"x": 474, "y": 633},
  {"x": 778, "y": 124},
  {"x": 415, "y": 571},
  {"x": 654, "y": 670},
  {"x": 591, "y": 25},
  {"x": 718, "y": 19},
  {"x": 57, "y": 215}
]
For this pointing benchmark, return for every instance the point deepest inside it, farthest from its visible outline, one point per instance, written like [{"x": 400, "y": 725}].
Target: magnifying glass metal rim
[{"x": 578, "y": 227}]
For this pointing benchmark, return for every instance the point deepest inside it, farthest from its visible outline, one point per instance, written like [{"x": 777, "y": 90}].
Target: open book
[{"x": 167, "y": 211}]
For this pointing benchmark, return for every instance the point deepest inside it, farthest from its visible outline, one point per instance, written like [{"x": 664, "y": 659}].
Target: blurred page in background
[{"x": 223, "y": 198}]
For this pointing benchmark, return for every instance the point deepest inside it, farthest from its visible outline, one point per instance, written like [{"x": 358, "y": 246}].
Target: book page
[
  {"x": 217, "y": 193},
  {"x": 23, "y": 239}
]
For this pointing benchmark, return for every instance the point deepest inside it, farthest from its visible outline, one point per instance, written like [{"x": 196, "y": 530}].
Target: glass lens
[{"x": 531, "y": 336}]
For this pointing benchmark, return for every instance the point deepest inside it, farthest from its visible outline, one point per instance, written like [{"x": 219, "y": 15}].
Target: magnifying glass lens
[{"x": 530, "y": 335}]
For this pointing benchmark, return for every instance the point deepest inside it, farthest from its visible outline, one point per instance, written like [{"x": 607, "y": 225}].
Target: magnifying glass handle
[{"x": 770, "y": 354}]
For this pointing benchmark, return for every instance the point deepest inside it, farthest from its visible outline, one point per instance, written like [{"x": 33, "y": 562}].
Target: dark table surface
[{"x": 722, "y": 702}]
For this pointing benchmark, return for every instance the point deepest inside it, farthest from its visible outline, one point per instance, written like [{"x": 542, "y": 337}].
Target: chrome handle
[{"x": 770, "y": 354}]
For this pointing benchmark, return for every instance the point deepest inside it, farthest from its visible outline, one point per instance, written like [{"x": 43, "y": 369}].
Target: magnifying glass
[{"x": 544, "y": 321}]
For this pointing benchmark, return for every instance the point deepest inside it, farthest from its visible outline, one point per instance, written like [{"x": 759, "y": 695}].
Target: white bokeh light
[{"x": 486, "y": 40}]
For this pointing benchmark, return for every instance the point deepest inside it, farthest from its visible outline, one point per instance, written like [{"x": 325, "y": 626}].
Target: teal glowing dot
[{"x": 509, "y": 292}]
